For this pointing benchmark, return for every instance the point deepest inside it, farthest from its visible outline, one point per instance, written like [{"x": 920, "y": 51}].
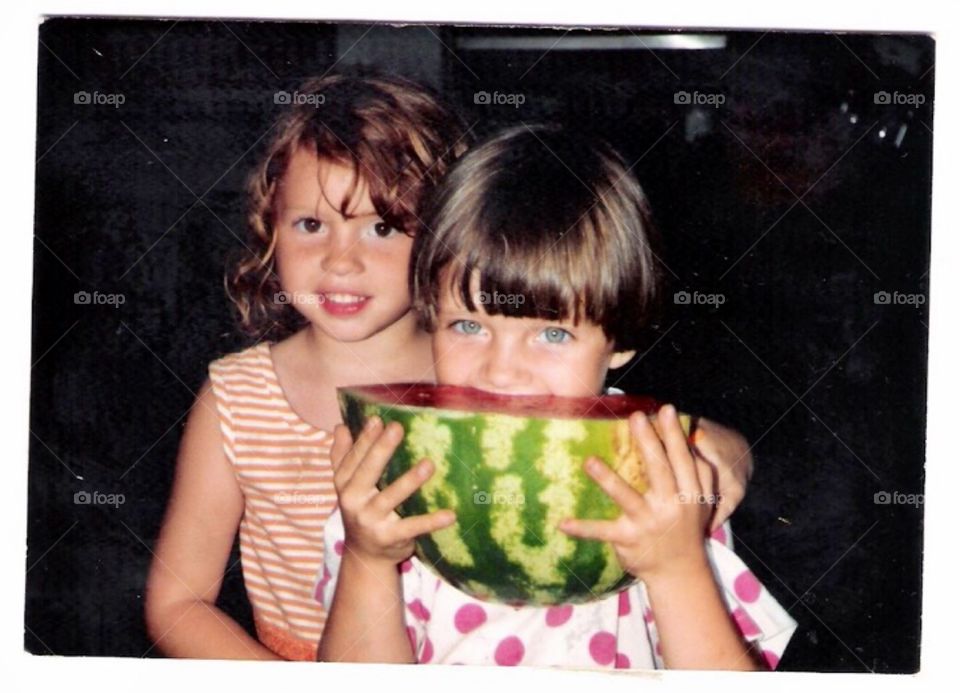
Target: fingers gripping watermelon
[{"x": 511, "y": 467}]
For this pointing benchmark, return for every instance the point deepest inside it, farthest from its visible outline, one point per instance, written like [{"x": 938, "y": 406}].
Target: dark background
[{"x": 145, "y": 201}]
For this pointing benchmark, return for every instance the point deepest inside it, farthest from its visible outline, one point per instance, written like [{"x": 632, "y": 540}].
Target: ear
[{"x": 621, "y": 358}]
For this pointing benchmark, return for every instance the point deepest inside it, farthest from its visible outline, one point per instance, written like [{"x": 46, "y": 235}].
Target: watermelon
[{"x": 511, "y": 467}]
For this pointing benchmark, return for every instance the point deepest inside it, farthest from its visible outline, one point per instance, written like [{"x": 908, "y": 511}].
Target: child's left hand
[
  {"x": 729, "y": 454},
  {"x": 662, "y": 531}
]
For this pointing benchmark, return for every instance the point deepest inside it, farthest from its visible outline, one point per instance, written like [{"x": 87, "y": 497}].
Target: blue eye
[
  {"x": 556, "y": 335},
  {"x": 382, "y": 229},
  {"x": 466, "y": 326},
  {"x": 308, "y": 225}
]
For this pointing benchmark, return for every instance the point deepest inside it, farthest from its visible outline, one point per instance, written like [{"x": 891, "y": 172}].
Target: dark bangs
[{"x": 539, "y": 224}]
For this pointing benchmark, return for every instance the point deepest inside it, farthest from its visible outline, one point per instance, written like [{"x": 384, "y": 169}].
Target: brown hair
[
  {"x": 396, "y": 136},
  {"x": 549, "y": 216}
]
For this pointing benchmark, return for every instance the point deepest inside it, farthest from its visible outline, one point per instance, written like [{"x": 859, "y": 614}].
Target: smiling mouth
[{"x": 343, "y": 299}]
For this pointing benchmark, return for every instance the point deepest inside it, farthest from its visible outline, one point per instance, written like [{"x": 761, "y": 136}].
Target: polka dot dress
[{"x": 447, "y": 626}]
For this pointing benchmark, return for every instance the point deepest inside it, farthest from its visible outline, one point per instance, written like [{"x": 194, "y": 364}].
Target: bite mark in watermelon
[{"x": 511, "y": 467}]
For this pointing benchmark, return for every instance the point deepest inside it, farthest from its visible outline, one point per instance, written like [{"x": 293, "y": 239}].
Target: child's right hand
[
  {"x": 659, "y": 535},
  {"x": 374, "y": 531}
]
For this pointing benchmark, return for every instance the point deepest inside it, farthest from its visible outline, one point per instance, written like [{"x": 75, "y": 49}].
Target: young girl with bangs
[{"x": 557, "y": 219}]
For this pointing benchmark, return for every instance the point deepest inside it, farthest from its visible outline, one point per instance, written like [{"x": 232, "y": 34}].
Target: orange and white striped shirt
[{"x": 282, "y": 464}]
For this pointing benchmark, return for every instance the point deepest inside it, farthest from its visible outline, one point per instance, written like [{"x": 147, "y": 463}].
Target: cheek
[
  {"x": 451, "y": 361},
  {"x": 286, "y": 251},
  {"x": 590, "y": 366},
  {"x": 394, "y": 261},
  {"x": 282, "y": 260}
]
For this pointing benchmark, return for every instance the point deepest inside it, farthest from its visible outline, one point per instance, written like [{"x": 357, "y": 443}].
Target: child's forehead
[{"x": 314, "y": 183}]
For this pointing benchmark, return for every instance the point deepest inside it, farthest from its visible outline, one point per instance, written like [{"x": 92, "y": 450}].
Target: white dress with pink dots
[{"x": 446, "y": 626}]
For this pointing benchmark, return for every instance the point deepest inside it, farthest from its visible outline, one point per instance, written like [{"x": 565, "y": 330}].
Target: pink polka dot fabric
[
  {"x": 469, "y": 617},
  {"x": 558, "y": 615},
  {"x": 419, "y": 611},
  {"x": 446, "y": 626},
  {"x": 509, "y": 652},
  {"x": 603, "y": 648},
  {"x": 623, "y": 602},
  {"x": 746, "y": 586}
]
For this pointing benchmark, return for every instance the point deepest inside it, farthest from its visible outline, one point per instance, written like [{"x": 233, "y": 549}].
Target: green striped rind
[{"x": 510, "y": 480}]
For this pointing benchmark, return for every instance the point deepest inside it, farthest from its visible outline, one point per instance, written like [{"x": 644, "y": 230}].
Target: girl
[
  {"x": 559, "y": 221},
  {"x": 333, "y": 216},
  {"x": 334, "y": 209}
]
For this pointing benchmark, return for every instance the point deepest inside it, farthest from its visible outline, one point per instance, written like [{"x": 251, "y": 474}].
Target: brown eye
[
  {"x": 308, "y": 225},
  {"x": 383, "y": 230}
]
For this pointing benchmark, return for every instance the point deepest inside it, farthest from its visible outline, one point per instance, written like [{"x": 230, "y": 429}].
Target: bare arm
[
  {"x": 696, "y": 632},
  {"x": 365, "y": 623},
  {"x": 193, "y": 548}
]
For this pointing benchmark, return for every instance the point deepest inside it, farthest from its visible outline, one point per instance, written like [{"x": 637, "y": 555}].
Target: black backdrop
[{"x": 794, "y": 202}]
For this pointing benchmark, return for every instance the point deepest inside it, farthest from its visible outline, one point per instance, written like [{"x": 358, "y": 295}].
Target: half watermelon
[{"x": 511, "y": 467}]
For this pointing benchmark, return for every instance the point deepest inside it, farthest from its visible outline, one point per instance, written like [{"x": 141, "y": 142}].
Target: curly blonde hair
[{"x": 398, "y": 138}]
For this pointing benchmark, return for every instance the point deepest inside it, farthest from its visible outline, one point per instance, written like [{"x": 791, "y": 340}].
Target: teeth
[{"x": 343, "y": 298}]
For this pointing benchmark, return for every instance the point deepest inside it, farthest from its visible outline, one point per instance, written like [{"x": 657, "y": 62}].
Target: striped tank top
[{"x": 282, "y": 464}]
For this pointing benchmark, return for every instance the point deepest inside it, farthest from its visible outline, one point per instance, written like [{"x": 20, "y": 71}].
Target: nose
[
  {"x": 502, "y": 368},
  {"x": 341, "y": 254}
]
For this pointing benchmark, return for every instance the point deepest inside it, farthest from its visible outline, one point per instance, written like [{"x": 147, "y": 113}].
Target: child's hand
[
  {"x": 662, "y": 531},
  {"x": 728, "y": 452},
  {"x": 374, "y": 532}
]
